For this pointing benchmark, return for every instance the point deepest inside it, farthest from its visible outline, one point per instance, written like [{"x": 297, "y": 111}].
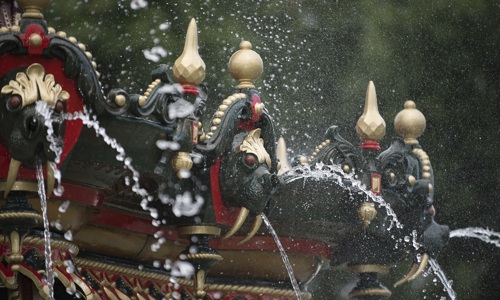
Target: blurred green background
[{"x": 319, "y": 56}]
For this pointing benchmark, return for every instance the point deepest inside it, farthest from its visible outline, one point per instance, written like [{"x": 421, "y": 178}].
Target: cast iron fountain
[{"x": 152, "y": 203}]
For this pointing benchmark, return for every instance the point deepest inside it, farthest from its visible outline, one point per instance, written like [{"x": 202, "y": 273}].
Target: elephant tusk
[
  {"x": 50, "y": 180},
  {"x": 411, "y": 272},
  {"x": 421, "y": 266},
  {"x": 239, "y": 222},
  {"x": 255, "y": 227},
  {"x": 11, "y": 176}
]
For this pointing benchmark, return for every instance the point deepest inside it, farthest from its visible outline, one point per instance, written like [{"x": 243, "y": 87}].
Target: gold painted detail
[
  {"x": 189, "y": 68},
  {"x": 255, "y": 145},
  {"x": 281, "y": 154},
  {"x": 415, "y": 270},
  {"x": 317, "y": 150},
  {"x": 34, "y": 84},
  {"x": 370, "y": 126},
  {"x": 367, "y": 212},
  {"x": 245, "y": 65},
  {"x": 219, "y": 114},
  {"x": 410, "y": 123}
]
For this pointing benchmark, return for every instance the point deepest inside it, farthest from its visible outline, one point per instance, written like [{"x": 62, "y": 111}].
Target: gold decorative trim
[
  {"x": 220, "y": 112},
  {"x": 316, "y": 151},
  {"x": 145, "y": 96},
  {"x": 426, "y": 163},
  {"x": 15, "y": 215},
  {"x": 33, "y": 84},
  {"x": 206, "y": 256},
  {"x": 54, "y": 243},
  {"x": 368, "y": 269},
  {"x": 213, "y": 287},
  {"x": 205, "y": 229}
]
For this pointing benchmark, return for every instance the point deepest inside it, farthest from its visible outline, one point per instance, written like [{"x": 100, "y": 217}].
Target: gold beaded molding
[
  {"x": 151, "y": 86},
  {"x": 426, "y": 163},
  {"x": 221, "y": 111},
  {"x": 321, "y": 146}
]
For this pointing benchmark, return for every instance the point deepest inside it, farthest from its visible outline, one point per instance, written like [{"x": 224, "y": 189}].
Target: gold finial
[
  {"x": 246, "y": 66},
  {"x": 189, "y": 68},
  {"x": 410, "y": 123},
  {"x": 33, "y": 8},
  {"x": 370, "y": 126}
]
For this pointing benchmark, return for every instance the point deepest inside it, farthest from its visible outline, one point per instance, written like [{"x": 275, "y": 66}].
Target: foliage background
[{"x": 319, "y": 56}]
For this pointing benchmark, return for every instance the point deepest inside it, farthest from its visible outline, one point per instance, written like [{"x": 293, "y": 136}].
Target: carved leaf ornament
[
  {"x": 34, "y": 84},
  {"x": 255, "y": 145}
]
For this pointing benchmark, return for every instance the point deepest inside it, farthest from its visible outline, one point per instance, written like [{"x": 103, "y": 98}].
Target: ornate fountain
[{"x": 153, "y": 204}]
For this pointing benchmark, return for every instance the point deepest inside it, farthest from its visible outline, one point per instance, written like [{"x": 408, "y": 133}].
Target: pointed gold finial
[
  {"x": 33, "y": 8},
  {"x": 189, "y": 68},
  {"x": 410, "y": 123},
  {"x": 370, "y": 126},
  {"x": 246, "y": 66}
]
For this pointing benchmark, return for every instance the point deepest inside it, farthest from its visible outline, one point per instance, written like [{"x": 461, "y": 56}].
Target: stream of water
[
  {"x": 49, "y": 273},
  {"x": 485, "y": 235},
  {"x": 284, "y": 256}
]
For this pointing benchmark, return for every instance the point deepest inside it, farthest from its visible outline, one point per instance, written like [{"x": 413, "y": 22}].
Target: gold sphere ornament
[
  {"x": 410, "y": 123},
  {"x": 246, "y": 66},
  {"x": 35, "y": 40}
]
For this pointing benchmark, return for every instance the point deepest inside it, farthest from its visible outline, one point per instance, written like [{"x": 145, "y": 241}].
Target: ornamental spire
[
  {"x": 189, "y": 68},
  {"x": 370, "y": 126}
]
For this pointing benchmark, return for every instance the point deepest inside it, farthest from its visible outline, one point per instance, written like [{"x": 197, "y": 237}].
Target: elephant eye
[
  {"x": 59, "y": 107},
  {"x": 250, "y": 159},
  {"x": 14, "y": 102}
]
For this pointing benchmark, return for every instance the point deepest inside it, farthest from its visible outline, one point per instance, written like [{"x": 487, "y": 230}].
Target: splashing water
[
  {"x": 442, "y": 277},
  {"x": 484, "y": 234},
  {"x": 286, "y": 261},
  {"x": 46, "y": 232},
  {"x": 336, "y": 173}
]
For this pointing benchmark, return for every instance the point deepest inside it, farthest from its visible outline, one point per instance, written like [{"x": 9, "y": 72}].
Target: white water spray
[
  {"x": 284, "y": 256},
  {"x": 49, "y": 273},
  {"x": 484, "y": 234},
  {"x": 336, "y": 173}
]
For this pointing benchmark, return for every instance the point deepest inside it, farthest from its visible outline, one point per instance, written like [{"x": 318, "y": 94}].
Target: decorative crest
[
  {"x": 34, "y": 84},
  {"x": 246, "y": 66}
]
